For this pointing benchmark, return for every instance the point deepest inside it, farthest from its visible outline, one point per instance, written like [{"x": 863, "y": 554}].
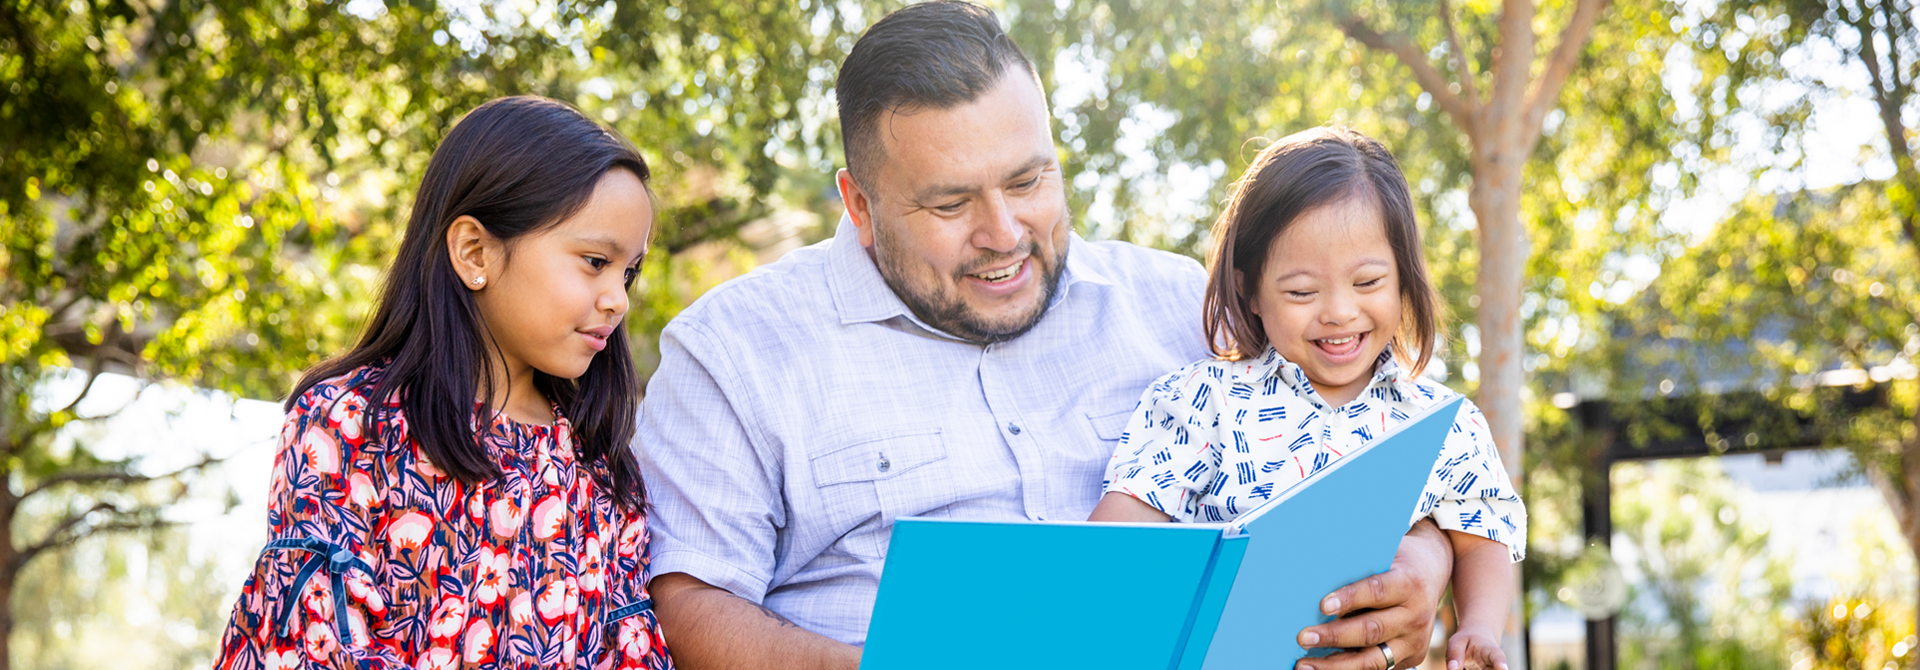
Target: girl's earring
[{"x": 478, "y": 281}]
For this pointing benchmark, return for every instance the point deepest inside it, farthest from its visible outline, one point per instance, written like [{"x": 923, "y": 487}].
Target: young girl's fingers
[{"x": 1457, "y": 648}]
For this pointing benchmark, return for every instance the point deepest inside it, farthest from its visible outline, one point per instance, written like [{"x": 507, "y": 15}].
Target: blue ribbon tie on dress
[{"x": 337, "y": 561}]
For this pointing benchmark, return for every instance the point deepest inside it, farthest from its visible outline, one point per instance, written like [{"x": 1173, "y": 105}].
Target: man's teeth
[{"x": 1002, "y": 275}]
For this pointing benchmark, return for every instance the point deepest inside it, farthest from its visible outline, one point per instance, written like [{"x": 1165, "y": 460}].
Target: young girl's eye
[
  {"x": 632, "y": 273},
  {"x": 1300, "y": 295},
  {"x": 597, "y": 262},
  {"x": 1371, "y": 282}
]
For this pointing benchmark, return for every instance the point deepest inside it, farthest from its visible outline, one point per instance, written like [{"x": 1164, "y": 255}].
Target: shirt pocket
[
  {"x": 1110, "y": 426},
  {"x": 868, "y": 482}
]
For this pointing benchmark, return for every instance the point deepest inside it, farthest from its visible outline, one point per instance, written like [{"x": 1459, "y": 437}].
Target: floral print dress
[{"x": 379, "y": 560}]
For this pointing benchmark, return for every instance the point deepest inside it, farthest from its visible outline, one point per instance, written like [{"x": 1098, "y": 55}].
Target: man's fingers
[
  {"x": 1382, "y": 590},
  {"x": 1369, "y": 658},
  {"x": 1362, "y": 630}
]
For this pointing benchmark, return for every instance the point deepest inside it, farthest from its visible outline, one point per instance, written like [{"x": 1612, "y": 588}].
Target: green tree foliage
[
  {"x": 206, "y": 190},
  {"x": 1793, "y": 294},
  {"x": 1718, "y": 600}
]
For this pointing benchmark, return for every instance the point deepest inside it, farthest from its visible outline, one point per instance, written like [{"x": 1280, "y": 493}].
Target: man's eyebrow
[{"x": 947, "y": 190}]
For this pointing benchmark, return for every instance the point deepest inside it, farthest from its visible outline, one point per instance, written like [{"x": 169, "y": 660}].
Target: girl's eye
[
  {"x": 1371, "y": 282},
  {"x": 632, "y": 273},
  {"x": 597, "y": 262},
  {"x": 1300, "y": 295}
]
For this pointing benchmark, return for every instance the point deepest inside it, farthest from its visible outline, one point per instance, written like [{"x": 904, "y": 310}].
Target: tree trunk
[{"x": 9, "y": 569}]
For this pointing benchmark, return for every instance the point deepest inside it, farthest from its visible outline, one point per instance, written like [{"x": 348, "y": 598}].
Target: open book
[{"x": 960, "y": 594}]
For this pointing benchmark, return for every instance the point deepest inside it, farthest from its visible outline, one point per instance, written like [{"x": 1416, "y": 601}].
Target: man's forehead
[{"x": 1000, "y": 135}]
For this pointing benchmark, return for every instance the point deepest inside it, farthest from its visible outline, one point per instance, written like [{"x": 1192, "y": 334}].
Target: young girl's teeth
[{"x": 1339, "y": 340}]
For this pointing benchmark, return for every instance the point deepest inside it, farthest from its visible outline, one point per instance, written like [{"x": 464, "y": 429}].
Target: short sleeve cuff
[
  {"x": 1144, "y": 490},
  {"x": 1503, "y": 521},
  {"x": 711, "y": 570}
]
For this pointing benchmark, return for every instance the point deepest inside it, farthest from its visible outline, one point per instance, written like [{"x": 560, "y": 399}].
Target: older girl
[{"x": 456, "y": 490}]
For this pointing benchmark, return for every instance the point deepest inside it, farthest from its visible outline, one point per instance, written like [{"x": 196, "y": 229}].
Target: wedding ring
[{"x": 1388, "y": 651}]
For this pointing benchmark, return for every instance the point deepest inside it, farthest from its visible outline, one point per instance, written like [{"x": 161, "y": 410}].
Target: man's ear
[
  {"x": 473, "y": 251},
  {"x": 859, "y": 206}
]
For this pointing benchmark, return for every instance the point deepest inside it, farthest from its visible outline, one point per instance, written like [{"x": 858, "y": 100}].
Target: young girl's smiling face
[
  {"x": 559, "y": 293},
  {"x": 1329, "y": 296}
]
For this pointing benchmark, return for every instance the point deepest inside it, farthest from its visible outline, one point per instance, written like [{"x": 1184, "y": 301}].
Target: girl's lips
[
  {"x": 1344, "y": 352},
  {"x": 596, "y": 336}
]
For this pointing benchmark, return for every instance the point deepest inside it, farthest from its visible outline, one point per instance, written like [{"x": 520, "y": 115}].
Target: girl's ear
[
  {"x": 1253, "y": 301},
  {"x": 473, "y": 250}
]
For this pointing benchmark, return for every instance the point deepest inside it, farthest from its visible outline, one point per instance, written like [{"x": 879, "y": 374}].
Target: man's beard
[{"x": 945, "y": 310}]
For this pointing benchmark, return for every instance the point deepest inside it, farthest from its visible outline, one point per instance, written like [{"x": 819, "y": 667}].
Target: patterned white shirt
[
  {"x": 1216, "y": 438},
  {"x": 800, "y": 409}
]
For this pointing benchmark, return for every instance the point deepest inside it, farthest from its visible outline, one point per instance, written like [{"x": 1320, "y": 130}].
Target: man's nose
[{"x": 1001, "y": 230}]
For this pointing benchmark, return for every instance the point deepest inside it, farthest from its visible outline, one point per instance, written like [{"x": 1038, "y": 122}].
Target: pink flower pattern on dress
[{"x": 513, "y": 573}]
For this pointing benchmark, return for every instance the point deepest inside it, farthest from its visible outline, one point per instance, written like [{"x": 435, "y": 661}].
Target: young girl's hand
[{"x": 1473, "y": 649}]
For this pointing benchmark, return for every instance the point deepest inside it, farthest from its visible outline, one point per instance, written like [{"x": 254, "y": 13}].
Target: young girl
[
  {"x": 457, "y": 490},
  {"x": 1322, "y": 315}
]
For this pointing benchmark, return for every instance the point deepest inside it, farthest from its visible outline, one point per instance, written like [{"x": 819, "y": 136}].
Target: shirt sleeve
[
  {"x": 296, "y": 610},
  {"x": 714, "y": 490},
  {"x": 1469, "y": 490},
  {"x": 1164, "y": 458}
]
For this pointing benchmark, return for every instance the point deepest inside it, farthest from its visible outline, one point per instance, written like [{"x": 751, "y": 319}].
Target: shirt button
[
  {"x": 1013, "y": 428},
  {"x": 884, "y": 465}
]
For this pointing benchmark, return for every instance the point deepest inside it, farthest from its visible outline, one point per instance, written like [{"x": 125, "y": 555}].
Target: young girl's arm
[
  {"x": 316, "y": 509},
  {"x": 1162, "y": 464},
  {"x": 1482, "y": 595}
]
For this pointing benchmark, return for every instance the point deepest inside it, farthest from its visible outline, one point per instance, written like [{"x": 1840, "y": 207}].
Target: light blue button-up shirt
[{"x": 798, "y": 410}]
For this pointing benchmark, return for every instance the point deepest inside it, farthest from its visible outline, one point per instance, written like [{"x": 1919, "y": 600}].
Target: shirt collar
[
  {"x": 1387, "y": 371},
  {"x": 861, "y": 295}
]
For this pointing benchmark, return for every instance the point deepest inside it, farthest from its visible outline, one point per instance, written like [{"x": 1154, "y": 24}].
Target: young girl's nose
[
  {"x": 1341, "y": 307},
  {"x": 614, "y": 300}
]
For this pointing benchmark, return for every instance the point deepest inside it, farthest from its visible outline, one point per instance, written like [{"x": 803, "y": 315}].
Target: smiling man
[{"x": 955, "y": 350}]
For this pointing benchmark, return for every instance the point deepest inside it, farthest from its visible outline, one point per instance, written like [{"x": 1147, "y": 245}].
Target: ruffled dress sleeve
[{"x": 312, "y": 598}]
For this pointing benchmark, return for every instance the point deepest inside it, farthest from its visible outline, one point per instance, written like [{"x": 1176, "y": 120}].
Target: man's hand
[
  {"x": 710, "y": 628},
  {"x": 1395, "y": 608}
]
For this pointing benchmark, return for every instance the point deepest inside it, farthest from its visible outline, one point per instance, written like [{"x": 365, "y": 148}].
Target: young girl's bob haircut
[
  {"x": 1295, "y": 175},
  {"x": 519, "y": 166}
]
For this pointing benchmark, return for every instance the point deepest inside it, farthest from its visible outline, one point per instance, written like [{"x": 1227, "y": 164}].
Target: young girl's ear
[
  {"x": 1253, "y": 301},
  {"x": 473, "y": 250}
]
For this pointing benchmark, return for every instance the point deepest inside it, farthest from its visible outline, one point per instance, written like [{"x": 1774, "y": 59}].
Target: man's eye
[
  {"x": 950, "y": 209},
  {"x": 1030, "y": 183}
]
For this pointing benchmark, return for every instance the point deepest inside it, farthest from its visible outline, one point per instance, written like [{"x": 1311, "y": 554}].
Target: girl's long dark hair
[{"x": 518, "y": 165}]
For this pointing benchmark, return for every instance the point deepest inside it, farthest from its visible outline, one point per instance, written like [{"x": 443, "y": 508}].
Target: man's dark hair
[{"x": 934, "y": 55}]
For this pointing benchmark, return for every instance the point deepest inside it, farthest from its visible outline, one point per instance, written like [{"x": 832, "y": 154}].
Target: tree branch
[
  {"x": 70, "y": 530},
  {"x": 1468, "y": 89},
  {"x": 1430, "y": 79},
  {"x": 1560, "y": 64},
  {"x": 103, "y": 476}
]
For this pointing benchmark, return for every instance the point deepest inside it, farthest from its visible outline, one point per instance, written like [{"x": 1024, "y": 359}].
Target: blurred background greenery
[{"x": 1714, "y": 202}]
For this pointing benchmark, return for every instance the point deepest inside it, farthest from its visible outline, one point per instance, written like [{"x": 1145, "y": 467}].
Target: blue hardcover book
[{"x": 958, "y": 593}]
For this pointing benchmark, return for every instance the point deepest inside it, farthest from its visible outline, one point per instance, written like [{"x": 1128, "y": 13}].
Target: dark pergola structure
[{"x": 1693, "y": 426}]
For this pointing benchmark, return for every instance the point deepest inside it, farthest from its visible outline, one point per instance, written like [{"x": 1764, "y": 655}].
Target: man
[{"x": 955, "y": 350}]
